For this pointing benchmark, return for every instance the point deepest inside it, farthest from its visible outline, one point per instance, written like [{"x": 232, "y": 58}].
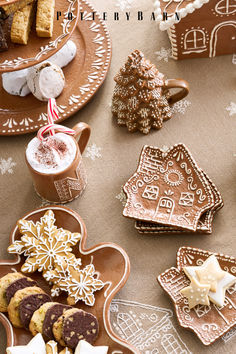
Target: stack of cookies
[
  {"x": 170, "y": 193},
  {"x": 21, "y": 15},
  {"x": 29, "y": 307}
]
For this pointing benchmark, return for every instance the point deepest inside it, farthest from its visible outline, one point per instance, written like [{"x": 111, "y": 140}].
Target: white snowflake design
[
  {"x": 93, "y": 152},
  {"x": 234, "y": 59},
  {"x": 121, "y": 196},
  {"x": 124, "y": 4},
  {"x": 164, "y": 54},
  {"x": 80, "y": 284},
  {"x": 231, "y": 108},
  {"x": 6, "y": 166},
  {"x": 181, "y": 106},
  {"x": 42, "y": 242}
]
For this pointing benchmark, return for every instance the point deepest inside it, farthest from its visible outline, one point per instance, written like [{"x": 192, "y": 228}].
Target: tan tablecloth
[{"x": 202, "y": 121}]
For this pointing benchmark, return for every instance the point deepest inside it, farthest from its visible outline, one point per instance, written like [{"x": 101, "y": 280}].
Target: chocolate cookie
[
  {"x": 4, "y": 283},
  {"x": 18, "y": 285},
  {"x": 13, "y": 307},
  {"x": 52, "y": 315},
  {"x": 79, "y": 325},
  {"x": 29, "y": 305}
]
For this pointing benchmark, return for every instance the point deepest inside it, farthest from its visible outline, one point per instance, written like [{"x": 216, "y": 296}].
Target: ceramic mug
[
  {"x": 176, "y": 83},
  {"x": 64, "y": 186}
]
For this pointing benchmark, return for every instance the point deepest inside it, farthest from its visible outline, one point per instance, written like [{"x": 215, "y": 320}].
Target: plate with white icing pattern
[
  {"x": 110, "y": 262},
  {"x": 84, "y": 75},
  {"x": 38, "y": 49}
]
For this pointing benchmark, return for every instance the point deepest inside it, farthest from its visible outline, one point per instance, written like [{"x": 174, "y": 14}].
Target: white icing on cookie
[
  {"x": 35, "y": 346},
  {"x": 65, "y": 55},
  {"x": 45, "y": 81},
  {"x": 85, "y": 348},
  {"x": 15, "y": 83},
  {"x": 217, "y": 297}
]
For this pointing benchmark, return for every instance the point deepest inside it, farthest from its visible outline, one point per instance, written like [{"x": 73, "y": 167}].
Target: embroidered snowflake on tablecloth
[
  {"x": 231, "y": 108},
  {"x": 124, "y": 4},
  {"x": 234, "y": 59},
  {"x": 80, "y": 284},
  {"x": 122, "y": 197},
  {"x": 42, "y": 242},
  {"x": 6, "y": 166},
  {"x": 93, "y": 152},
  {"x": 164, "y": 54},
  {"x": 181, "y": 106}
]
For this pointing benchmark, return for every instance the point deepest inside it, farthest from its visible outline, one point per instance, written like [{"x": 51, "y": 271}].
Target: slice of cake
[
  {"x": 45, "y": 18},
  {"x": 6, "y": 10},
  {"x": 21, "y": 24}
]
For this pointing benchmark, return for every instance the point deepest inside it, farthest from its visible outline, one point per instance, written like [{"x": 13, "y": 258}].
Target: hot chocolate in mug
[{"x": 56, "y": 165}]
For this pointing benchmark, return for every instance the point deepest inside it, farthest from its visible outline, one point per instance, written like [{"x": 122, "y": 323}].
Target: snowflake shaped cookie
[
  {"x": 79, "y": 283},
  {"x": 42, "y": 242}
]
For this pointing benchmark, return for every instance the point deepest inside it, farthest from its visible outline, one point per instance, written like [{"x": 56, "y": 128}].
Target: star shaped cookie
[
  {"x": 218, "y": 296},
  {"x": 196, "y": 293},
  {"x": 210, "y": 273},
  {"x": 86, "y": 348},
  {"x": 42, "y": 242},
  {"x": 36, "y": 346},
  {"x": 80, "y": 284}
]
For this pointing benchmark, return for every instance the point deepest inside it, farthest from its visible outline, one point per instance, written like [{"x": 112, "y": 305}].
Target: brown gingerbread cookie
[
  {"x": 18, "y": 284},
  {"x": 79, "y": 325},
  {"x": 29, "y": 305},
  {"x": 51, "y": 316}
]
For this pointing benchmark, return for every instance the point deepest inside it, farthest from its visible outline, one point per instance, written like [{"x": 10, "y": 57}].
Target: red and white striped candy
[
  {"x": 56, "y": 128},
  {"x": 52, "y": 117},
  {"x": 52, "y": 113}
]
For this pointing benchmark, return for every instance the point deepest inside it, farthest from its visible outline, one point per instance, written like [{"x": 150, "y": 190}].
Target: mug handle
[
  {"x": 177, "y": 83},
  {"x": 82, "y": 135}
]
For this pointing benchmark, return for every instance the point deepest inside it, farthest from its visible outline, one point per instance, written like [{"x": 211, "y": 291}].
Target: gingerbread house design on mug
[{"x": 198, "y": 28}]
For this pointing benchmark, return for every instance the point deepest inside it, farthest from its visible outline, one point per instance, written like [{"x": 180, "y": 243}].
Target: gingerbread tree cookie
[
  {"x": 42, "y": 242},
  {"x": 79, "y": 283},
  {"x": 140, "y": 100}
]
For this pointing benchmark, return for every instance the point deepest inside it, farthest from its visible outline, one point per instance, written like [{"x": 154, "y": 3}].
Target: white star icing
[
  {"x": 85, "y": 348},
  {"x": 35, "y": 346},
  {"x": 217, "y": 297}
]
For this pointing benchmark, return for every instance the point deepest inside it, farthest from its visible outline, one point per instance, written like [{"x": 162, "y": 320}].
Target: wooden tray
[
  {"x": 110, "y": 261},
  {"x": 84, "y": 75},
  {"x": 38, "y": 49}
]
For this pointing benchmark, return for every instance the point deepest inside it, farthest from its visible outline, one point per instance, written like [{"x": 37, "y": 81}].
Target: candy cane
[
  {"x": 52, "y": 113},
  {"x": 55, "y": 127}
]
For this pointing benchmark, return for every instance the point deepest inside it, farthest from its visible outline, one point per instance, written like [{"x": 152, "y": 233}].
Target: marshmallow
[{"x": 45, "y": 81}]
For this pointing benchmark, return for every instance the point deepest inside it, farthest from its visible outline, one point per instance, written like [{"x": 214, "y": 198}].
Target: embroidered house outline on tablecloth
[{"x": 148, "y": 328}]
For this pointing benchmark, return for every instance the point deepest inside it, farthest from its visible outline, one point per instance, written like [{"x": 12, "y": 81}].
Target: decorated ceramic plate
[
  {"x": 112, "y": 267},
  {"x": 84, "y": 75},
  {"x": 38, "y": 48}
]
